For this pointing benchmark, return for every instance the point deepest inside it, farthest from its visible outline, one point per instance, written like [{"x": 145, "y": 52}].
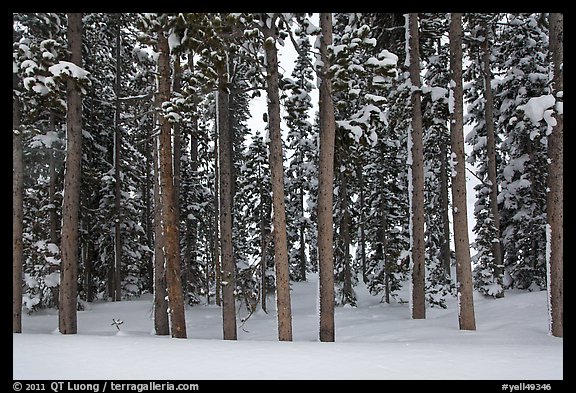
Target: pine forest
[{"x": 364, "y": 179}]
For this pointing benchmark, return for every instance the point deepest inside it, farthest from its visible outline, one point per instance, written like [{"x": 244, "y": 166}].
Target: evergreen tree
[{"x": 524, "y": 61}]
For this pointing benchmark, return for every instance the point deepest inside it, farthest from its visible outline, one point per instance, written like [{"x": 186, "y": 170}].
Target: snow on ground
[{"x": 373, "y": 341}]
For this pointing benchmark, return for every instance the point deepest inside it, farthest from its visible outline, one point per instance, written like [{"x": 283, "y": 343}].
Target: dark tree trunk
[
  {"x": 226, "y": 188},
  {"x": 555, "y": 201},
  {"x": 169, "y": 217},
  {"x": 466, "y": 317},
  {"x": 325, "y": 187},
  {"x": 444, "y": 206},
  {"x": 283, "y": 307},
  {"x": 67, "y": 318},
  {"x": 417, "y": 193}
]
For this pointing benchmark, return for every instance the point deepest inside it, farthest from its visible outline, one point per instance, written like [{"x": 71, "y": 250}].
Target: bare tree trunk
[
  {"x": 466, "y": 317},
  {"x": 226, "y": 187},
  {"x": 418, "y": 301},
  {"x": 283, "y": 307},
  {"x": 17, "y": 211},
  {"x": 117, "y": 267},
  {"x": 345, "y": 235},
  {"x": 444, "y": 206},
  {"x": 67, "y": 318},
  {"x": 555, "y": 201},
  {"x": 491, "y": 156},
  {"x": 325, "y": 187},
  {"x": 169, "y": 218},
  {"x": 161, "y": 322}
]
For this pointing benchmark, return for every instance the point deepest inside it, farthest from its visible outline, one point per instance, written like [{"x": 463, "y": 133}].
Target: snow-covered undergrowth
[{"x": 373, "y": 341}]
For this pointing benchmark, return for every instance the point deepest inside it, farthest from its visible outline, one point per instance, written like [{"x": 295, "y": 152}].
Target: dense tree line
[{"x": 135, "y": 170}]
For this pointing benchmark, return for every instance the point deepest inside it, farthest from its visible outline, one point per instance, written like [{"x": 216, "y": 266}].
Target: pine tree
[
  {"x": 299, "y": 171},
  {"x": 488, "y": 259},
  {"x": 523, "y": 57},
  {"x": 436, "y": 141}
]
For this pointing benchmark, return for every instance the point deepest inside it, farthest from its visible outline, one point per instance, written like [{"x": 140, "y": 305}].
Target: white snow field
[{"x": 373, "y": 341}]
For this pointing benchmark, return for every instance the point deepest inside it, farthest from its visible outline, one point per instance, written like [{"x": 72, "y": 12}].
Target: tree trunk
[
  {"x": 444, "y": 206},
  {"x": 227, "y": 247},
  {"x": 325, "y": 187},
  {"x": 491, "y": 156},
  {"x": 555, "y": 201},
  {"x": 169, "y": 218},
  {"x": 418, "y": 301},
  {"x": 17, "y": 211},
  {"x": 67, "y": 318},
  {"x": 466, "y": 317},
  {"x": 283, "y": 307},
  {"x": 116, "y": 268},
  {"x": 345, "y": 235}
]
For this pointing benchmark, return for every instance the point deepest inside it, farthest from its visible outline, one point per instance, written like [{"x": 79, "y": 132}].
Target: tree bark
[
  {"x": 67, "y": 318},
  {"x": 17, "y": 211},
  {"x": 555, "y": 201},
  {"x": 325, "y": 187},
  {"x": 169, "y": 218},
  {"x": 444, "y": 206},
  {"x": 418, "y": 304},
  {"x": 491, "y": 157},
  {"x": 226, "y": 187},
  {"x": 466, "y": 318},
  {"x": 283, "y": 307}
]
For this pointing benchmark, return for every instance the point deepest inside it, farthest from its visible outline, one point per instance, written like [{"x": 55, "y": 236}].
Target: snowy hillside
[{"x": 373, "y": 341}]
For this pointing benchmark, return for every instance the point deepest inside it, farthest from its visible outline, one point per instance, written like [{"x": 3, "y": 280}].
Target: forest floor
[{"x": 373, "y": 341}]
